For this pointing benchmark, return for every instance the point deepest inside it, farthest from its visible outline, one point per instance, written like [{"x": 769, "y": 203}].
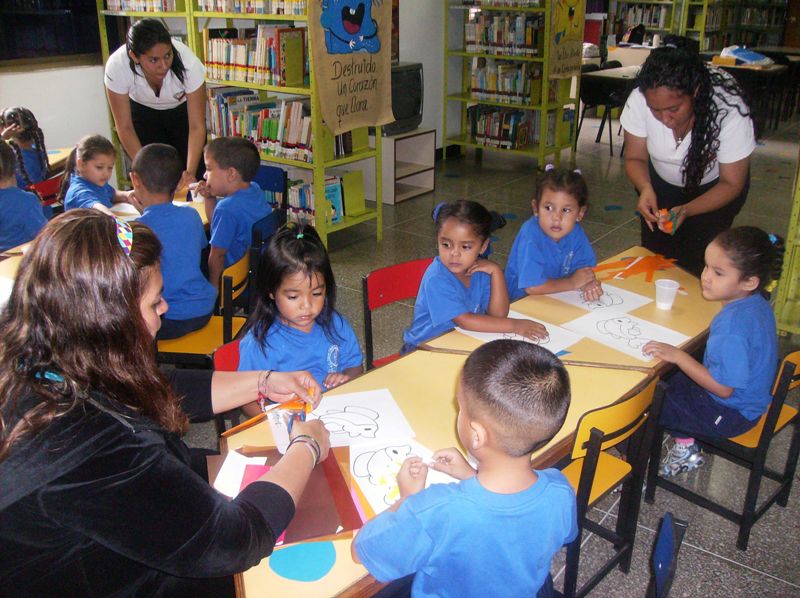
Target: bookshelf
[
  {"x": 761, "y": 22},
  {"x": 710, "y": 22},
  {"x": 497, "y": 79},
  {"x": 658, "y": 16},
  {"x": 787, "y": 304}
]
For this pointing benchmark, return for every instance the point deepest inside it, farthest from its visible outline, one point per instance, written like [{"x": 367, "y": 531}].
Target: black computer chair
[{"x": 597, "y": 92}]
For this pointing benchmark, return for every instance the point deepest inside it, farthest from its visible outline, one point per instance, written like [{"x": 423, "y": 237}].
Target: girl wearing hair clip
[{"x": 551, "y": 252}]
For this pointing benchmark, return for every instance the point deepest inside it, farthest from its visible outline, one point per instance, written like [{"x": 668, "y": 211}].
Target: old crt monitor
[{"x": 406, "y": 98}]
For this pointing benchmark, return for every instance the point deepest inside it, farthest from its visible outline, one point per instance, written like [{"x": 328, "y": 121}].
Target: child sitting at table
[
  {"x": 231, "y": 165},
  {"x": 18, "y": 126},
  {"x": 459, "y": 288},
  {"x": 295, "y": 325},
  {"x": 86, "y": 176},
  {"x": 21, "y": 215},
  {"x": 155, "y": 173},
  {"x": 551, "y": 252},
  {"x": 726, "y": 394},
  {"x": 496, "y": 531}
]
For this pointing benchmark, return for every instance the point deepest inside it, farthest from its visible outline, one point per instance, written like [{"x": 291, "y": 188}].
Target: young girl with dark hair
[
  {"x": 19, "y": 127},
  {"x": 295, "y": 325},
  {"x": 726, "y": 394},
  {"x": 688, "y": 140},
  {"x": 21, "y": 215}
]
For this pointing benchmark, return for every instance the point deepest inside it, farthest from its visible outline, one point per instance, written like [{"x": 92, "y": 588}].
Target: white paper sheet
[
  {"x": 229, "y": 478},
  {"x": 613, "y": 299},
  {"x": 558, "y": 340},
  {"x": 624, "y": 332},
  {"x": 374, "y": 467}
]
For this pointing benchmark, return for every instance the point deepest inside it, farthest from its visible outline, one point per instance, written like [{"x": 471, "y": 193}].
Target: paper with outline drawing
[
  {"x": 624, "y": 332},
  {"x": 374, "y": 467},
  {"x": 559, "y": 338},
  {"x": 613, "y": 298}
]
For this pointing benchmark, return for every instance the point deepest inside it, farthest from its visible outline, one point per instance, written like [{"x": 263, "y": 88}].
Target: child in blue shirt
[
  {"x": 20, "y": 129},
  {"x": 726, "y": 394},
  {"x": 459, "y": 288},
  {"x": 295, "y": 325},
  {"x": 86, "y": 177},
  {"x": 501, "y": 525},
  {"x": 155, "y": 173},
  {"x": 551, "y": 252},
  {"x": 21, "y": 215},
  {"x": 231, "y": 165}
]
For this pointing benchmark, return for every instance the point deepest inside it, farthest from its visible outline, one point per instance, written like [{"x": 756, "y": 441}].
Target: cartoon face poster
[{"x": 566, "y": 37}]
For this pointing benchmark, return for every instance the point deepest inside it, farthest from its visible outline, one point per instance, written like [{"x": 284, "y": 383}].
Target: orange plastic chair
[{"x": 384, "y": 286}]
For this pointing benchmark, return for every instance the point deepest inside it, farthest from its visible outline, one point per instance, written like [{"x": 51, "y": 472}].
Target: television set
[{"x": 407, "y": 91}]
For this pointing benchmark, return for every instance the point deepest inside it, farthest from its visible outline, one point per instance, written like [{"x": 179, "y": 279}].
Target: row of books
[
  {"x": 263, "y": 55},
  {"x": 142, "y": 5},
  {"x": 763, "y": 17},
  {"x": 502, "y": 81},
  {"x": 505, "y": 34},
  {"x": 648, "y": 15},
  {"x": 508, "y": 128},
  {"x": 300, "y": 202},
  {"x": 509, "y": 3},
  {"x": 269, "y": 7}
]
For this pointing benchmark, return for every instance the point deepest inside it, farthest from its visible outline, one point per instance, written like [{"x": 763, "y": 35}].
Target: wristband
[
  {"x": 312, "y": 445},
  {"x": 263, "y": 400}
]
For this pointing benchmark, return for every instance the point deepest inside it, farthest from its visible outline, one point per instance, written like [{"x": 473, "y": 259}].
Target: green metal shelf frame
[{"x": 787, "y": 303}]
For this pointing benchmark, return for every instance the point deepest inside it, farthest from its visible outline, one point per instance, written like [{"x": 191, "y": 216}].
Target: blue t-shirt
[
  {"x": 289, "y": 349},
  {"x": 233, "y": 219},
  {"x": 183, "y": 238},
  {"x": 84, "y": 194},
  {"x": 33, "y": 166},
  {"x": 462, "y": 540},
  {"x": 442, "y": 298},
  {"x": 21, "y": 217},
  {"x": 535, "y": 258},
  {"x": 742, "y": 352}
]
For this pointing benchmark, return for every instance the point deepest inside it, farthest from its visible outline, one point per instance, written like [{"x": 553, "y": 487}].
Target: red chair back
[
  {"x": 226, "y": 358},
  {"x": 47, "y": 190}
]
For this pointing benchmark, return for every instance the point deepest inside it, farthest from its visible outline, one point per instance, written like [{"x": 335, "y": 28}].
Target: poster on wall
[
  {"x": 351, "y": 46},
  {"x": 566, "y": 38}
]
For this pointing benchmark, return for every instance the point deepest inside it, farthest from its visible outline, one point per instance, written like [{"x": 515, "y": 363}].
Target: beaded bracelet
[
  {"x": 263, "y": 400},
  {"x": 312, "y": 445}
]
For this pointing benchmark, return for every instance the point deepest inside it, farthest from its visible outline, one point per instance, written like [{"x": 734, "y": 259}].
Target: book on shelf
[
  {"x": 505, "y": 34},
  {"x": 142, "y": 5},
  {"x": 501, "y": 3},
  {"x": 333, "y": 196},
  {"x": 509, "y": 128},
  {"x": 300, "y": 202},
  {"x": 337, "y": 146},
  {"x": 270, "y": 7},
  {"x": 505, "y": 81},
  {"x": 292, "y": 54}
]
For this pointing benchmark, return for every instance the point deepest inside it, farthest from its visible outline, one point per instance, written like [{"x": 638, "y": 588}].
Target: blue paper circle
[{"x": 304, "y": 562}]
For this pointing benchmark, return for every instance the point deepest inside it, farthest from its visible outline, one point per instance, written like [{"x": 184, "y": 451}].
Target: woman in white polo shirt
[
  {"x": 156, "y": 91},
  {"x": 688, "y": 140}
]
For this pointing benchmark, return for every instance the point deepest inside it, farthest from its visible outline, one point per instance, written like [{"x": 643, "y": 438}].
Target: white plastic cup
[
  {"x": 656, "y": 40},
  {"x": 666, "y": 290}
]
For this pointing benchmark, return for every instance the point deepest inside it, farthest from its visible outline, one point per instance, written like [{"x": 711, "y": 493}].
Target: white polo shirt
[
  {"x": 120, "y": 79},
  {"x": 736, "y": 138}
]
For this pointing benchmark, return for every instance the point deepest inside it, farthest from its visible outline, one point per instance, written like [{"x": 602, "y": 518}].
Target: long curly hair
[
  {"x": 31, "y": 131},
  {"x": 714, "y": 94},
  {"x": 73, "y": 325}
]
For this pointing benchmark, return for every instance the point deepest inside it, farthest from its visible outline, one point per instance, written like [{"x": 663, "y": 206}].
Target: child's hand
[
  {"x": 411, "y": 477},
  {"x": 529, "y": 329},
  {"x": 134, "y": 201},
  {"x": 335, "y": 379},
  {"x": 12, "y": 131},
  {"x": 452, "y": 462},
  {"x": 483, "y": 265},
  {"x": 663, "y": 351},
  {"x": 204, "y": 190},
  {"x": 592, "y": 290},
  {"x": 581, "y": 277}
]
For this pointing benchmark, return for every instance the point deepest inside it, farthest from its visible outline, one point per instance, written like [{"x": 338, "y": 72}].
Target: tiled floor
[{"x": 709, "y": 563}]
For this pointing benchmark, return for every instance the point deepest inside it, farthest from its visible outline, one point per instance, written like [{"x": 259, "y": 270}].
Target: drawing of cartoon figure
[
  {"x": 623, "y": 328},
  {"x": 352, "y": 420},
  {"x": 349, "y": 26},
  {"x": 380, "y": 469},
  {"x": 603, "y": 301},
  {"x": 568, "y": 21}
]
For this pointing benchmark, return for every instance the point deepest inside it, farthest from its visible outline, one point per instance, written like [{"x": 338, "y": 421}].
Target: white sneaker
[{"x": 681, "y": 458}]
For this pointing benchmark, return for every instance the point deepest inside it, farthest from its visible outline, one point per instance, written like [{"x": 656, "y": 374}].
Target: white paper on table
[
  {"x": 125, "y": 211},
  {"x": 613, "y": 298},
  {"x": 624, "y": 332},
  {"x": 374, "y": 467},
  {"x": 229, "y": 478},
  {"x": 558, "y": 338}
]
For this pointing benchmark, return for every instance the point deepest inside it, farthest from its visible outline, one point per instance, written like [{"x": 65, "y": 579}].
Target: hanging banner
[
  {"x": 351, "y": 45},
  {"x": 566, "y": 37}
]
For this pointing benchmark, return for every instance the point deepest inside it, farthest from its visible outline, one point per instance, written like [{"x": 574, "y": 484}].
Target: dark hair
[
  {"x": 159, "y": 167},
  {"x": 561, "y": 179},
  {"x": 86, "y": 149},
  {"x": 522, "y": 388},
  {"x": 713, "y": 93},
  {"x": 294, "y": 248},
  {"x": 470, "y": 213},
  {"x": 8, "y": 161},
  {"x": 753, "y": 252},
  {"x": 74, "y": 312},
  {"x": 30, "y": 132},
  {"x": 235, "y": 152},
  {"x": 145, "y": 34}
]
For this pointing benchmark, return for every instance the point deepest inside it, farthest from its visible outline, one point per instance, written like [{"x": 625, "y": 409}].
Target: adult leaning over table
[
  {"x": 688, "y": 140},
  {"x": 156, "y": 89},
  {"x": 99, "y": 495}
]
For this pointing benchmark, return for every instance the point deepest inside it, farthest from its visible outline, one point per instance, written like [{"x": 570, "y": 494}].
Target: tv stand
[{"x": 407, "y": 165}]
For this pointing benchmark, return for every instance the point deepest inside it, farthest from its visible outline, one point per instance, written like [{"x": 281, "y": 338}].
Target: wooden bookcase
[
  {"x": 408, "y": 164},
  {"x": 658, "y": 16}
]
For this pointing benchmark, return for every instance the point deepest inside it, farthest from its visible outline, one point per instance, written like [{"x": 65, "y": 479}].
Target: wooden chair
[
  {"x": 665, "y": 556},
  {"x": 197, "y": 347},
  {"x": 594, "y": 473},
  {"x": 748, "y": 450},
  {"x": 226, "y": 359},
  {"x": 384, "y": 286}
]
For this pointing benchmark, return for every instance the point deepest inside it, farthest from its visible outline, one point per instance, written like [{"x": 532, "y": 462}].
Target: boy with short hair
[
  {"x": 155, "y": 173},
  {"x": 231, "y": 166},
  {"x": 21, "y": 214},
  {"x": 497, "y": 530}
]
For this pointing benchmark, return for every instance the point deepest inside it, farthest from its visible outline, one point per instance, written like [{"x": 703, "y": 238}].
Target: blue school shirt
[
  {"x": 84, "y": 194},
  {"x": 463, "y": 540},
  {"x": 742, "y": 352},
  {"x": 535, "y": 258},
  {"x": 442, "y": 298},
  {"x": 289, "y": 349},
  {"x": 183, "y": 238},
  {"x": 21, "y": 217},
  {"x": 33, "y": 165},
  {"x": 233, "y": 219}
]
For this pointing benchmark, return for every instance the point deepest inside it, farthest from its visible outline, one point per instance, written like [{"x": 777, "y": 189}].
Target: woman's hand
[
  {"x": 529, "y": 329},
  {"x": 453, "y": 463},
  {"x": 317, "y": 431},
  {"x": 411, "y": 477},
  {"x": 648, "y": 206},
  {"x": 666, "y": 223},
  {"x": 335, "y": 379},
  {"x": 287, "y": 386},
  {"x": 187, "y": 178}
]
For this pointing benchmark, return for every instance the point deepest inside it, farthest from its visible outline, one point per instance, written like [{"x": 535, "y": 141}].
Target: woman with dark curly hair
[{"x": 688, "y": 139}]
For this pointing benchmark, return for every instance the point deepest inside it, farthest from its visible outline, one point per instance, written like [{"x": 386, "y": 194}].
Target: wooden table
[
  {"x": 788, "y": 50},
  {"x": 57, "y": 158}
]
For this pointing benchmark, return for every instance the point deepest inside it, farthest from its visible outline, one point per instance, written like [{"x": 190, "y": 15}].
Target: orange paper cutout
[{"x": 647, "y": 265}]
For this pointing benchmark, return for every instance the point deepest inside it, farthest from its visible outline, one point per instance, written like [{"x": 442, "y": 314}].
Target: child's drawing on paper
[
  {"x": 356, "y": 422},
  {"x": 557, "y": 339},
  {"x": 623, "y": 328},
  {"x": 349, "y": 26},
  {"x": 603, "y": 301},
  {"x": 612, "y": 299},
  {"x": 380, "y": 467}
]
